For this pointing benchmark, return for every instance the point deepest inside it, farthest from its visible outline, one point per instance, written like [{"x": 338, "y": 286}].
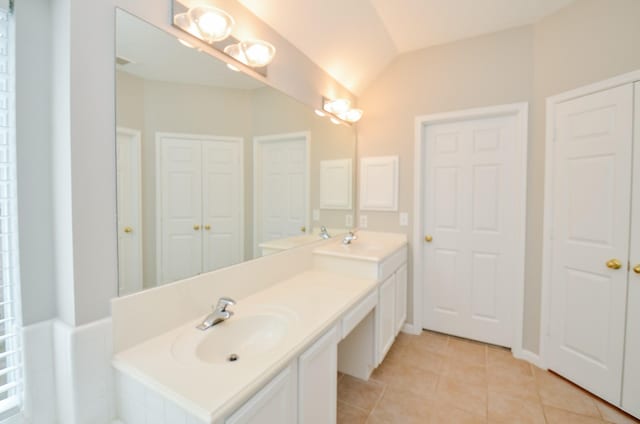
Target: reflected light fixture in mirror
[
  {"x": 341, "y": 109},
  {"x": 214, "y": 26}
]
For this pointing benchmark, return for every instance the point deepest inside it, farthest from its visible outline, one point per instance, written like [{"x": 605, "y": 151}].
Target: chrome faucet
[
  {"x": 324, "y": 234},
  {"x": 219, "y": 314},
  {"x": 349, "y": 237}
]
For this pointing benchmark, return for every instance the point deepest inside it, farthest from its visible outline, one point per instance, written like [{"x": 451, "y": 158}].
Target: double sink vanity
[{"x": 275, "y": 360}]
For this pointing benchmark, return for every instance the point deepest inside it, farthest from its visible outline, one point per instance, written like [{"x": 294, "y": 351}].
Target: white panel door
[
  {"x": 180, "y": 194},
  {"x": 282, "y": 185},
  {"x": 129, "y": 211},
  {"x": 222, "y": 200},
  {"x": 631, "y": 374},
  {"x": 471, "y": 262},
  {"x": 591, "y": 207}
]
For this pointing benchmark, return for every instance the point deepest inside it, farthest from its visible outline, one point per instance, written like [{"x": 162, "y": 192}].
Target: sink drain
[{"x": 233, "y": 357}]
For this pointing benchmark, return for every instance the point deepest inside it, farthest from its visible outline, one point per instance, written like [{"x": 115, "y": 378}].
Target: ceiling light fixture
[
  {"x": 254, "y": 53},
  {"x": 213, "y": 24},
  {"x": 352, "y": 115}
]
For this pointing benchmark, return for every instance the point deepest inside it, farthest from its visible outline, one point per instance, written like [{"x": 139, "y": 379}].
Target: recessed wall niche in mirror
[{"x": 214, "y": 167}]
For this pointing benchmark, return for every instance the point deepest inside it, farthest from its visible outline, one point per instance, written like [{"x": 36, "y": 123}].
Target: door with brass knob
[{"x": 614, "y": 264}]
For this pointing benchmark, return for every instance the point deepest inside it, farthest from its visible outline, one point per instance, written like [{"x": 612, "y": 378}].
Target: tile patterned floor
[{"x": 434, "y": 378}]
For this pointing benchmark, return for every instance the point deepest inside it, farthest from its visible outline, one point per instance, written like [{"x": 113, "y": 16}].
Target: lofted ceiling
[{"x": 354, "y": 40}]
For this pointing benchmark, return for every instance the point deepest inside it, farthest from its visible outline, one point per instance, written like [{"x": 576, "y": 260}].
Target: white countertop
[
  {"x": 370, "y": 246},
  {"x": 317, "y": 299}
]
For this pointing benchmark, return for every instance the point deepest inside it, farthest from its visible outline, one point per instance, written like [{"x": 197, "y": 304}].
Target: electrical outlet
[
  {"x": 316, "y": 214},
  {"x": 363, "y": 221},
  {"x": 348, "y": 220},
  {"x": 404, "y": 219}
]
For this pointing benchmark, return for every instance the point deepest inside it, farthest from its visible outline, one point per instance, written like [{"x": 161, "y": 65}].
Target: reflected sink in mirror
[
  {"x": 215, "y": 167},
  {"x": 245, "y": 337}
]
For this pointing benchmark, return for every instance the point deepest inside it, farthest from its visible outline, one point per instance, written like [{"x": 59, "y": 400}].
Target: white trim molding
[
  {"x": 521, "y": 112},
  {"x": 551, "y": 104}
]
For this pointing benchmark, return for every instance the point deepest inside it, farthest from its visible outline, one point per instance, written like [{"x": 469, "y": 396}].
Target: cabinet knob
[
  {"x": 128, "y": 230},
  {"x": 428, "y": 238},
  {"x": 303, "y": 229},
  {"x": 614, "y": 264},
  {"x": 636, "y": 269},
  {"x": 207, "y": 227},
  {"x": 196, "y": 227}
]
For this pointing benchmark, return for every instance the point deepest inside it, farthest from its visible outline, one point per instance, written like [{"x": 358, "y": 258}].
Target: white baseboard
[
  {"x": 411, "y": 329},
  {"x": 530, "y": 357}
]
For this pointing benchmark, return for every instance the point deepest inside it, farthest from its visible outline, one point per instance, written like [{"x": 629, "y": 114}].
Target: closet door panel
[
  {"x": 631, "y": 375},
  {"x": 591, "y": 212}
]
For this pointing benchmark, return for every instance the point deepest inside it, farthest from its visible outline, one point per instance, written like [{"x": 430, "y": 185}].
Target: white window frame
[{"x": 10, "y": 317}]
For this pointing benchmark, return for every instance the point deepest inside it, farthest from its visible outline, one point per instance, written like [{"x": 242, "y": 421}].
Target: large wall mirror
[{"x": 215, "y": 167}]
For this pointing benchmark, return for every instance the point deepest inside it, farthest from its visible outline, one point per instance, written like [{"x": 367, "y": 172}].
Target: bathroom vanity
[{"x": 277, "y": 358}]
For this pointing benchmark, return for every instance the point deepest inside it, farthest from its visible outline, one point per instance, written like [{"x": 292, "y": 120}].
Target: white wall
[
  {"x": 33, "y": 128},
  {"x": 588, "y": 41}
]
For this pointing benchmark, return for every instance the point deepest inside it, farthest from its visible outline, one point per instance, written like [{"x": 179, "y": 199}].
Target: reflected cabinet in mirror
[{"x": 214, "y": 167}]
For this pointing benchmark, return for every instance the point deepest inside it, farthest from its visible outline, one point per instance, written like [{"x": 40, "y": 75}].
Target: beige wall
[{"x": 586, "y": 42}]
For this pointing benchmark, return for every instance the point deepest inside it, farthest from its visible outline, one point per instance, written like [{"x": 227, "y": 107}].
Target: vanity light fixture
[
  {"x": 340, "y": 109},
  {"x": 212, "y": 23},
  {"x": 254, "y": 53}
]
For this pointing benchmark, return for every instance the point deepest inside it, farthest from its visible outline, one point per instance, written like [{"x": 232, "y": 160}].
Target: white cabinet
[
  {"x": 317, "y": 381},
  {"x": 275, "y": 403},
  {"x": 386, "y": 317},
  {"x": 401, "y": 297}
]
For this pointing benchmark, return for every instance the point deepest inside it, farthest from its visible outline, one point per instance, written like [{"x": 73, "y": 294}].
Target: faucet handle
[{"x": 223, "y": 302}]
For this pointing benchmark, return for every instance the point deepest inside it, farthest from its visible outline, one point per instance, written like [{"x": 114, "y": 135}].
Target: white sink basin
[{"x": 238, "y": 339}]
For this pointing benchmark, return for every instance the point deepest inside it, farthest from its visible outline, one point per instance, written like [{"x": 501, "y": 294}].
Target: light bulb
[
  {"x": 184, "y": 22},
  {"x": 337, "y": 106},
  {"x": 352, "y": 115},
  {"x": 257, "y": 52},
  {"x": 212, "y": 24},
  {"x": 236, "y": 52}
]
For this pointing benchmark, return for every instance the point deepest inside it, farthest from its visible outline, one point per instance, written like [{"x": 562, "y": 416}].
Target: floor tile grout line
[{"x": 384, "y": 390}]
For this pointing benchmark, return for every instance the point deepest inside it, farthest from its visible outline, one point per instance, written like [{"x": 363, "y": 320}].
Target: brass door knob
[
  {"x": 428, "y": 238},
  {"x": 128, "y": 230},
  {"x": 196, "y": 227},
  {"x": 636, "y": 269},
  {"x": 207, "y": 227},
  {"x": 303, "y": 229},
  {"x": 614, "y": 264}
]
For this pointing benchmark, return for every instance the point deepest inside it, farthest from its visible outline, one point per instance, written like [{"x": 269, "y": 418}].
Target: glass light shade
[
  {"x": 254, "y": 53},
  {"x": 183, "y": 21},
  {"x": 352, "y": 115},
  {"x": 257, "y": 52},
  {"x": 335, "y": 121},
  {"x": 320, "y": 113},
  {"x": 337, "y": 106},
  {"x": 213, "y": 24}
]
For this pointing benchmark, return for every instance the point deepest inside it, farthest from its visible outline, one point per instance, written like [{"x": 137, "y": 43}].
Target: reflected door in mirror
[
  {"x": 200, "y": 208},
  {"x": 129, "y": 210}
]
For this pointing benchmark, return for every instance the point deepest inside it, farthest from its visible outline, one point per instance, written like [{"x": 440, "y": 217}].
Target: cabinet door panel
[
  {"x": 317, "y": 371},
  {"x": 275, "y": 403},
  {"x": 401, "y": 297},
  {"x": 386, "y": 317}
]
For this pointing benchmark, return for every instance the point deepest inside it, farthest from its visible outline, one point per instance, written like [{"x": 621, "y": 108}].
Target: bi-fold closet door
[
  {"x": 199, "y": 199},
  {"x": 594, "y": 306}
]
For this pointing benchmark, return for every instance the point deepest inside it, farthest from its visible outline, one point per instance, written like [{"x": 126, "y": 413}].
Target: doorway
[{"x": 470, "y": 194}]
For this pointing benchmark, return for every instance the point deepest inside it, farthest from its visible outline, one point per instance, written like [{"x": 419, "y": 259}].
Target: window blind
[{"x": 10, "y": 345}]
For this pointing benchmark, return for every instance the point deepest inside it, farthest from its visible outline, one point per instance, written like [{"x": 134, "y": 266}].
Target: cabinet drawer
[
  {"x": 353, "y": 318},
  {"x": 392, "y": 263}
]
